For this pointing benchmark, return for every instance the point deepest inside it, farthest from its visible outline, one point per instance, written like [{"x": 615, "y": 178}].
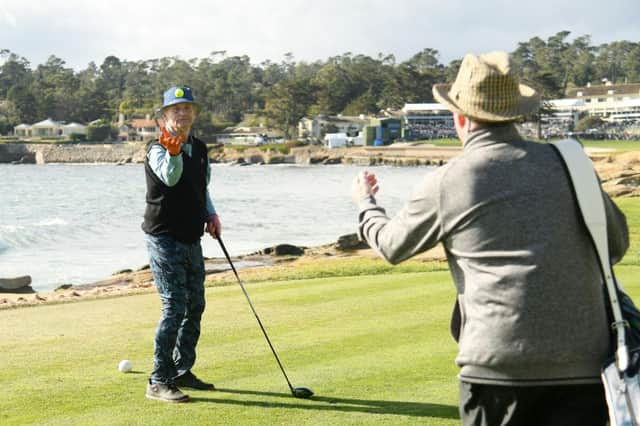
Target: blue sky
[{"x": 82, "y": 31}]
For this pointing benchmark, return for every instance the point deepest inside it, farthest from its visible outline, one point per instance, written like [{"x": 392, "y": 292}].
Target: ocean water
[{"x": 75, "y": 224}]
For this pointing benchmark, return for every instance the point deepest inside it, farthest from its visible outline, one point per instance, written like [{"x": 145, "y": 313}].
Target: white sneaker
[{"x": 165, "y": 392}]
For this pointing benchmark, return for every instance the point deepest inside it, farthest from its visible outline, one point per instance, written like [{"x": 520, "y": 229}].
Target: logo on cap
[{"x": 179, "y": 93}]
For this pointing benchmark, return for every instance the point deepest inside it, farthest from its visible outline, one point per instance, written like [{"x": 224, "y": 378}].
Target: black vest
[{"x": 179, "y": 210}]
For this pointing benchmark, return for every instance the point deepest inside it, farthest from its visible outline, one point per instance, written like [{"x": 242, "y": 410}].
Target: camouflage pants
[{"x": 178, "y": 273}]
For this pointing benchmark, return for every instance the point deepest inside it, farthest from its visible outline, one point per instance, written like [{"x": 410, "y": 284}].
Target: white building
[
  {"x": 140, "y": 129},
  {"x": 74, "y": 128},
  {"x": 628, "y": 109},
  {"x": 564, "y": 110},
  {"x": 356, "y": 140},
  {"x": 611, "y": 102},
  {"x": 427, "y": 121},
  {"x": 335, "y": 140},
  {"x": 49, "y": 129},
  {"x": 426, "y": 113},
  {"x": 22, "y": 130},
  {"x": 244, "y": 136},
  {"x": 319, "y": 125},
  {"x": 46, "y": 129}
]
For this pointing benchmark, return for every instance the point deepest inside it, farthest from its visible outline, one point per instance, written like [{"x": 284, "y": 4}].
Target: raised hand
[
  {"x": 173, "y": 144},
  {"x": 364, "y": 185}
]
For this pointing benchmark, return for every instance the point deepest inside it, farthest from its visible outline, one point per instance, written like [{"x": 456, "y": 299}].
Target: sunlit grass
[{"x": 371, "y": 340}]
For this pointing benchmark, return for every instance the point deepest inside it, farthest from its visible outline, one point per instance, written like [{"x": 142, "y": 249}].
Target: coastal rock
[
  {"x": 22, "y": 290},
  {"x": 334, "y": 160},
  {"x": 283, "y": 250},
  {"x": 275, "y": 159},
  {"x": 620, "y": 174},
  {"x": 256, "y": 159},
  {"x": 15, "y": 283},
  {"x": 13, "y": 153},
  {"x": 63, "y": 287},
  {"x": 29, "y": 158},
  {"x": 350, "y": 242},
  {"x": 117, "y": 153}
]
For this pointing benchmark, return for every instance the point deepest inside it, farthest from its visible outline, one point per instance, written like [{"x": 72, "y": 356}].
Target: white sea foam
[
  {"x": 10, "y": 229},
  {"x": 56, "y": 221}
]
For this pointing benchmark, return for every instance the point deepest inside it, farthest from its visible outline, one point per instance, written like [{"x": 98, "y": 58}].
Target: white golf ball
[{"x": 125, "y": 366}]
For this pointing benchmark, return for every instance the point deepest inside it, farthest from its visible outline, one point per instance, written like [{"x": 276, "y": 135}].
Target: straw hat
[{"x": 487, "y": 89}]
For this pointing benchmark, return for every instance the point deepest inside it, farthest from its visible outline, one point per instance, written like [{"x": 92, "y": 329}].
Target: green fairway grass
[
  {"x": 375, "y": 348},
  {"x": 617, "y": 145},
  {"x": 631, "y": 209}
]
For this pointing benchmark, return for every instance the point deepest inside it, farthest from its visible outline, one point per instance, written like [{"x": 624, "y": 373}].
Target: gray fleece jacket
[{"x": 528, "y": 283}]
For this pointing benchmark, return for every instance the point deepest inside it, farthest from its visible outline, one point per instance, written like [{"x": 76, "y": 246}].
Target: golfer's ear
[{"x": 461, "y": 120}]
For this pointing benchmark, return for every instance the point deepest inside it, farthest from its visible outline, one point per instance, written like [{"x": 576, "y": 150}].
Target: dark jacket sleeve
[{"x": 617, "y": 230}]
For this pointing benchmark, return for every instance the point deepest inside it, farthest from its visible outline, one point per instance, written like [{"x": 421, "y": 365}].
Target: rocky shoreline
[
  {"x": 129, "y": 282},
  {"x": 33, "y": 153},
  {"x": 134, "y": 152},
  {"x": 400, "y": 155},
  {"x": 620, "y": 172}
]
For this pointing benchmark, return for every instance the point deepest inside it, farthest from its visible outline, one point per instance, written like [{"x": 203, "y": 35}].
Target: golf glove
[{"x": 172, "y": 144}]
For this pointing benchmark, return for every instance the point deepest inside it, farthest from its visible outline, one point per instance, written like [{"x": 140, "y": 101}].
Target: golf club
[{"x": 299, "y": 392}]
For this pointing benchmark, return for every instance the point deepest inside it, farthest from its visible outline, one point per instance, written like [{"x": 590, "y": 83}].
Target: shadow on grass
[{"x": 349, "y": 405}]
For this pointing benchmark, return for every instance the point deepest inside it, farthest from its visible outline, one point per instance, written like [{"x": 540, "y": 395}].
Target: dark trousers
[
  {"x": 567, "y": 405},
  {"x": 178, "y": 273}
]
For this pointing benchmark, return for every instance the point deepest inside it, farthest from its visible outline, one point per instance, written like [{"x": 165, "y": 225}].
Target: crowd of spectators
[
  {"x": 435, "y": 129},
  {"x": 622, "y": 130},
  {"x": 548, "y": 130},
  {"x": 557, "y": 129}
]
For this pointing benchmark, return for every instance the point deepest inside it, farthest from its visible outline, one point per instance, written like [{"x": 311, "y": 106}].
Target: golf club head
[{"x": 302, "y": 392}]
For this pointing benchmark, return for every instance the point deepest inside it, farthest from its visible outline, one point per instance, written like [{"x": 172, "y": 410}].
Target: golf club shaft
[{"x": 246, "y": 295}]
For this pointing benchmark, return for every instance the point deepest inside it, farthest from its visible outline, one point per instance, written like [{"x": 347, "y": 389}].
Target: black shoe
[{"x": 189, "y": 380}]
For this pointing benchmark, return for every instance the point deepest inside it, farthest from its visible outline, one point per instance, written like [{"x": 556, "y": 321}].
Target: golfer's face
[{"x": 179, "y": 117}]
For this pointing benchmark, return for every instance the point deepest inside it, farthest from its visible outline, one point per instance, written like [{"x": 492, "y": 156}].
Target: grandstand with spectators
[
  {"x": 617, "y": 107},
  {"x": 427, "y": 121}
]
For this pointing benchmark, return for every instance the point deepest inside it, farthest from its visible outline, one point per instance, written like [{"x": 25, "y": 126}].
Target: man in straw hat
[
  {"x": 178, "y": 211},
  {"x": 530, "y": 318}
]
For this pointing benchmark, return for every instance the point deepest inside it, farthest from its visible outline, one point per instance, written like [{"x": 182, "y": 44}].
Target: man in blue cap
[{"x": 178, "y": 210}]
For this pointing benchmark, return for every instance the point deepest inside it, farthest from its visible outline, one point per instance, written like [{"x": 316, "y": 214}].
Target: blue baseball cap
[{"x": 178, "y": 95}]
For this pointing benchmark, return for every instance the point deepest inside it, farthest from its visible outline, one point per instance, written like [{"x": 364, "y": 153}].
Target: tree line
[{"x": 231, "y": 88}]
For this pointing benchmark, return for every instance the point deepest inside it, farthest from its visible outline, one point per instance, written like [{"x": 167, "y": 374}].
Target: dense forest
[{"x": 232, "y": 89}]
